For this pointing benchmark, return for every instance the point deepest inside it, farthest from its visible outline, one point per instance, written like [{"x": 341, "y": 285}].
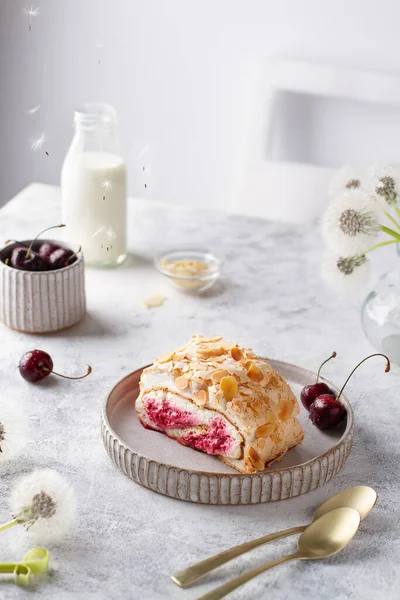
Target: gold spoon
[
  {"x": 361, "y": 498},
  {"x": 324, "y": 537}
]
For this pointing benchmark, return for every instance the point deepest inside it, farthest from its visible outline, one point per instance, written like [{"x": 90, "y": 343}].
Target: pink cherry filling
[
  {"x": 166, "y": 416},
  {"x": 216, "y": 440}
]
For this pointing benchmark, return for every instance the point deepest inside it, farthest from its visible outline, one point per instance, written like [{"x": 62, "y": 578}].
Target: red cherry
[
  {"x": 46, "y": 248},
  {"x": 326, "y": 412},
  {"x": 37, "y": 364},
  {"x": 20, "y": 259},
  {"x": 60, "y": 258},
  {"x": 309, "y": 393},
  {"x": 27, "y": 259}
]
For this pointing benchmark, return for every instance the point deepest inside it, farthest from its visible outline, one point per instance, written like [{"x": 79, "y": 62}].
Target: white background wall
[{"x": 176, "y": 71}]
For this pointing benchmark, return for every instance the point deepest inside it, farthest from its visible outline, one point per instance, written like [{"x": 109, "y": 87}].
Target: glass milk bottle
[{"x": 93, "y": 184}]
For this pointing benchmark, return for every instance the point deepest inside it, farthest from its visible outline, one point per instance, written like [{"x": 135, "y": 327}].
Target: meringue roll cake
[{"x": 219, "y": 398}]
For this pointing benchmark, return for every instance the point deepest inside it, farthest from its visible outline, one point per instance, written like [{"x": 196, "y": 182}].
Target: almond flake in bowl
[{"x": 190, "y": 269}]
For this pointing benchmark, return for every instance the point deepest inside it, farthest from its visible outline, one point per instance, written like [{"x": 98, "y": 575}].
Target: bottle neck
[{"x": 96, "y": 129}]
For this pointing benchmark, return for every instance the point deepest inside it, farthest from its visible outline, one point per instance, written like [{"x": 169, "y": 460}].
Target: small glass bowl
[{"x": 189, "y": 284}]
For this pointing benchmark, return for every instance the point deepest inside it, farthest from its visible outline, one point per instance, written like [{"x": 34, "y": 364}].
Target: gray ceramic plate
[{"x": 162, "y": 465}]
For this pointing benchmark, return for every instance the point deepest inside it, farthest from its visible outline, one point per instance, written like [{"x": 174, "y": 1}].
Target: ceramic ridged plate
[{"x": 166, "y": 467}]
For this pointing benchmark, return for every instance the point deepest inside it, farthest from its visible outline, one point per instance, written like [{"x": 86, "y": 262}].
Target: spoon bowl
[
  {"x": 360, "y": 497},
  {"x": 329, "y": 534}
]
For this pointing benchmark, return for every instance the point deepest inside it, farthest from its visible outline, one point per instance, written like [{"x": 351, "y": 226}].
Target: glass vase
[{"x": 380, "y": 315}]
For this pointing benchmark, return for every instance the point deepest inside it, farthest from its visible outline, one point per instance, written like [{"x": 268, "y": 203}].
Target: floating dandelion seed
[
  {"x": 33, "y": 110},
  {"x": 31, "y": 12},
  {"x": 107, "y": 184},
  {"x": 37, "y": 144},
  {"x": 96, "y": 233},
  {"x": 110, "y": 234}
]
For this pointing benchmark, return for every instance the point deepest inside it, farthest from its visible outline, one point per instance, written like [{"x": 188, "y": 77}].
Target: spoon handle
[
  {"x": 194, "y": 572},
  {"x": 233, "y": 584}
]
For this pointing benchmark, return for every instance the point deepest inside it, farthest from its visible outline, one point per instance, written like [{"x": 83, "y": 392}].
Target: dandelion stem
[
  {"x": 389, "y": 216},
  {"x": 9, "y": 524},
  {"x": 380, "y": 245},
  {"x": 390, "y": 232}
]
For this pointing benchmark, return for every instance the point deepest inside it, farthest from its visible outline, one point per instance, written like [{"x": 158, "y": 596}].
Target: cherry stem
[
  {"x": 89, "y": 370},
  {"x": 387, "y": 369},
  {"x": 73, "y": 255},
  {"x": 28, "y": 252},
  {"x": 333, "y": 355}
]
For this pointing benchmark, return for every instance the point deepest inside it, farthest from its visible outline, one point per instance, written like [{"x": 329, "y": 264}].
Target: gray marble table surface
[{"x": 128, "y": 540}]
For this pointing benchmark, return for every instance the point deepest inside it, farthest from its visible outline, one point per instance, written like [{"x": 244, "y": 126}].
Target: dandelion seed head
[
  {"x": 348, "y": 274},
  {"x": 383, "y": 182},
  {"x": 386, "y": 188},
  {"x": 352, "y": 184},
  {"x": 43, "y": 506},
  {"x": 44, "y": 503},
  {"x": 346, "y": 178},
  {"x": 2, "y": 432},
  {"x": 350, "y": 222},
  {"x": 13, "y": 432}
]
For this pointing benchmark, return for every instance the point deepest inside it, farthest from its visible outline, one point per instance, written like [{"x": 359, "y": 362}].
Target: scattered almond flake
[
  {"x": 265, "y": 431},
  {"x": 201, "y": 397},
  {"x": 255, "y": 459},
  {"x": 165, "y": 357},
  {"x": 285, "y": 408},
  {"x": 154, "y": 301},
  {"x": 254, "y": 372},
  {"x": 229, "y": 387},
  {"x": 210, "y": 340},
  {"x": 237, "y": 353},
  {"x": 261, "y": 443},
  {"x": 210, "y": 351},
  {"x": 228, "y": 345},
  {"x": 164, "y": 262},
  {"x": 218, "y": 375},
  {"x": 181, "y": 382},
  {"x": 246, "y": 391}
]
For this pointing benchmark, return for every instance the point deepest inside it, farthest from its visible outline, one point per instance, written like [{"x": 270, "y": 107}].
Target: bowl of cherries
[
  {"x": 42, "y": 285},
  {"x": 326, "y": 410}
]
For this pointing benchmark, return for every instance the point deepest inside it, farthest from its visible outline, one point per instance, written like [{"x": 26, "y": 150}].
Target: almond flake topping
[
  {"x": 254, "y": 372},
  {"x": 229, "y": 387},
  {"x": 165, "y": 357},
  {"x": 218, "y": 375},
  {"x": 265, "y": 431},
  {"x": 237, "y": 353},
  {"x": 181, "y": 382},
  {"x": 201, "y": 397}
]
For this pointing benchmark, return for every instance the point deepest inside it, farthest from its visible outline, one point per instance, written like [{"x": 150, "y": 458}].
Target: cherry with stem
[{"x": 311, "y": 392}]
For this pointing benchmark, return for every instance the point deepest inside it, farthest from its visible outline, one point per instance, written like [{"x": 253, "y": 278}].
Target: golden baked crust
[{"x": 231, "y": 380}]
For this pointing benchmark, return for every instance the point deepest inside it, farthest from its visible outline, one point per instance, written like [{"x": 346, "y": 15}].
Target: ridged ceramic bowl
[
  {"x": 42, "y": 301},
  {"x": 166, "y": 467}
]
